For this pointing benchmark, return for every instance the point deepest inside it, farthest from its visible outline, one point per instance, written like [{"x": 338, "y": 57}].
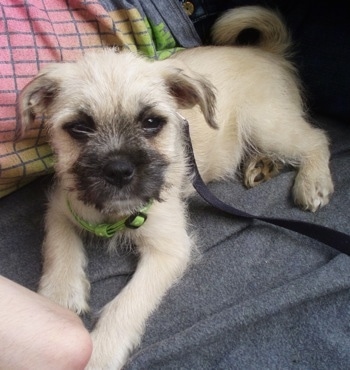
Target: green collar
[{"x": 134, "y": 221}]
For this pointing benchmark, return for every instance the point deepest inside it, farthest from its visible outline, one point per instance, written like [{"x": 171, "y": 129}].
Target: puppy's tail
[{"x": 254, "y": 26}]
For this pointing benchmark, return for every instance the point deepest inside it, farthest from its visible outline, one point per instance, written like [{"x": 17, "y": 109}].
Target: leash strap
[{"x": 333, "y": 238}]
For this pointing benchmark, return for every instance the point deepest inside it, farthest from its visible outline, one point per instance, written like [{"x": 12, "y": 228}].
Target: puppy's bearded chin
[
  {"x": 123, "y": 207},
  {"x": 112, "y": 204}
]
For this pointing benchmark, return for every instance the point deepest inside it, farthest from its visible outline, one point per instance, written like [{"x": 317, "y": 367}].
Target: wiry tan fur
[{"x": 234, "y": 98}]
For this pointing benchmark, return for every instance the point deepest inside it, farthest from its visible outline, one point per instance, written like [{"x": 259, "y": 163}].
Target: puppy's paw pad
[
  {"x": 260, "y": 169},
  {"x": 312, "y": 195}
]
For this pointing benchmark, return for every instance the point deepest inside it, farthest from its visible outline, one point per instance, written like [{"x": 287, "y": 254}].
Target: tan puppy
[{"x": 114, "y": 125}]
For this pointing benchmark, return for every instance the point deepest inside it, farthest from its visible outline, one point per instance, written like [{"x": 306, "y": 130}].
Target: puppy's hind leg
[
  {"x": 296, "y": 142},
  {"x": 313, "y": 184}
]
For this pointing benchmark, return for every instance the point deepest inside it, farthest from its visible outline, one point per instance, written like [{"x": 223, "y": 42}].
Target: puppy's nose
[{"x": 119, "y": 171}]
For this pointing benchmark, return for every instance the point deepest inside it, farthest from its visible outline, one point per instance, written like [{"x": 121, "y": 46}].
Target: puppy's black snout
[{"x": 119, "y": 171}]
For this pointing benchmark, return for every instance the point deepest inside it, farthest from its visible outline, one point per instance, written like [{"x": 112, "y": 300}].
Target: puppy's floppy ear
[
  {"x": 190, "y": 88},
  {"x": 35, "y": 98}
]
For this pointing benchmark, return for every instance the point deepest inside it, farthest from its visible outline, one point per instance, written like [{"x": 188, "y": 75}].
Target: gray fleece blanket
[{"x": 257, "y": 296}]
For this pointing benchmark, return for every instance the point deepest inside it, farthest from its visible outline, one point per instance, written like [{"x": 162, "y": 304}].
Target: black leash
[{"x": 333, "y": 238}]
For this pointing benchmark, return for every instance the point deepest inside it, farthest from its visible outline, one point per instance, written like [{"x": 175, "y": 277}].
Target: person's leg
[{"x": 35, "y": 333}]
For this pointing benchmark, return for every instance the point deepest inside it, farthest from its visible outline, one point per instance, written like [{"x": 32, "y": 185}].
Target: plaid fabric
[{"x": 36, "y": 32}]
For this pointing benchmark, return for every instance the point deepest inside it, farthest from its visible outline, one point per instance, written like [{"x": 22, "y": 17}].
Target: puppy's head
[{"x": 113, "y": 125}]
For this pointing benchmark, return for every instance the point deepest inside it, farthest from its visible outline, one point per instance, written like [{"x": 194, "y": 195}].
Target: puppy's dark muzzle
[{"x": 119, "y": 171}]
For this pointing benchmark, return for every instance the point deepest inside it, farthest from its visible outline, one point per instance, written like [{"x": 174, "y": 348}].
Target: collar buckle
[{"x": 135, "y": 220}]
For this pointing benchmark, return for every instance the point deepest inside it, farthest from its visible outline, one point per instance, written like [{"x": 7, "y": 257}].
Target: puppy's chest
[{"x": 119, "y": 246}]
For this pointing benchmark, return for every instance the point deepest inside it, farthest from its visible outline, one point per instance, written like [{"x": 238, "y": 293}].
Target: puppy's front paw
[
  {"x": 107, "y": 354},
  {"x": 69, "y": 294},
  {"x": 312, "y": 192}
]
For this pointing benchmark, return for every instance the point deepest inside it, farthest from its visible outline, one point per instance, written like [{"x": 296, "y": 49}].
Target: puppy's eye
[
  {"x": 80, "y": 128},
  {"x": 152, "y": 125}
]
